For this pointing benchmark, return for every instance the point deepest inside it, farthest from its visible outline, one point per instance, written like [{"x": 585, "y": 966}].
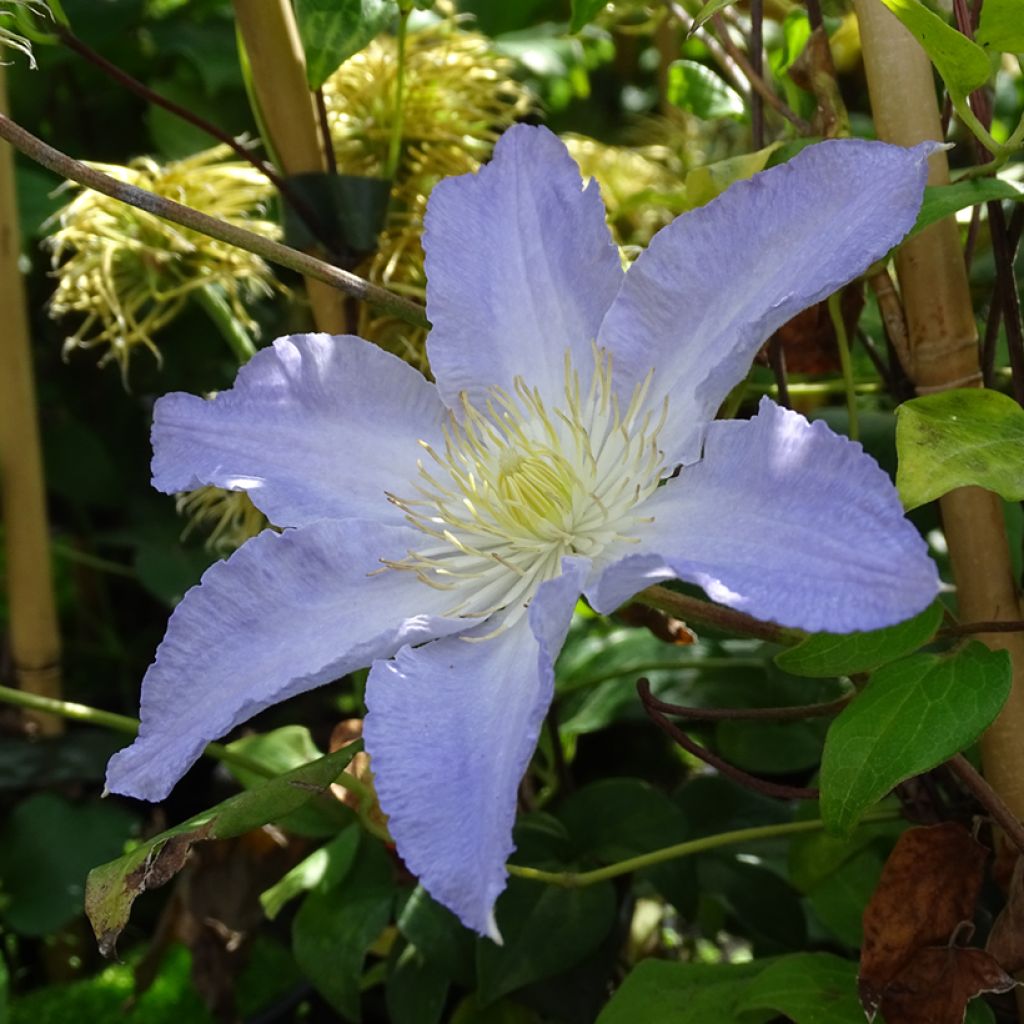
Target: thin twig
[
  {"x": 167, "y": 209},
  {"x": 557, "y": 753},
  {"x": 718, "y": 55},
  {"x": 325, "y": 131},
  {"x": 287, "y": 193},
  {"x": 814, "y": 14},
  {"x": 989, "y": 799},
  {"x": 763, "y": 786},
  {"x": 970, "y": 628},
  {"x": 890, "y": 308},
  {"x": 777, "y": 362},
  {"x": 995, "y": 309},
  {"x": 1007, "y": 295},
  {"x": 704, "y": 613},
  {"x": 883, "y": 370},
  {"x": 757, "y": 82},
  {"x": 757, "y": 63}
]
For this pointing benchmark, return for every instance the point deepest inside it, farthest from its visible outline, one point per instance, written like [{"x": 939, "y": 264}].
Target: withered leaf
[
  {"x": 215, "y": 911},
  {"x": 1006, "y": 940},
  {"x": 929, "y": 885},
  {"x": 112, "y": 888},
  {"x": 938, "y": 983}
]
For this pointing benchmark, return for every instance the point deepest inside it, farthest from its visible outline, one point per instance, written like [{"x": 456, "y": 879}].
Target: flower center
[{"x": 520, "y": 484}]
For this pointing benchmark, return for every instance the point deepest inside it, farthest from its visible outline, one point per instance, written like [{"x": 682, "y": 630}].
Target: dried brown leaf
[
  {"x": 929, "y": 886},
  {"x": 1006, "y": 940},
  {"x": 938, "y": 983}
]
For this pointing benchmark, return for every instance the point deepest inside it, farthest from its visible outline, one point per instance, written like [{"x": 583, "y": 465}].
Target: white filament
[{"x": 519, "y": 486}]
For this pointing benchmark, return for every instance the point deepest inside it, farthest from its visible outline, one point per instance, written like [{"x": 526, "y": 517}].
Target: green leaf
[
  {"x": 333, "y": 30},
  {"x": 824, "y": 655},
  {"x": 437, "y": 933},
  {"x": 47, "y": 847},
  {"x": 112, "y": 888},
  {"x": 958, "y": 438},
  {"x": 979, "y": 1012},
  {"x": 546, "y": 930},
  {"x": 767, "y": 908},
  {"x": 584, "y": 12},
  {"x": 808, "y": 988},
  {"x": 912, "y": 715},
  {"x": 614, "y": 819},
  {"x": 673, "y": 993},
  {"x": 703, "y": 184},
  {"x": 280, "y": 751},
  {"x": 415, "y": 990},
  {"x": 839, "y": 900},
  {"x": 1001, "y": 26},
  {"x": 708, "y": 11},
  {"x": 349, "y": 209},
  {"x": 962, "y": 64},
  {"x": 331, "y": 861},
  {"x": 942, "y": 200},
  {"x": 696, "y": 88},
  {"x": 339, "y": 921}
]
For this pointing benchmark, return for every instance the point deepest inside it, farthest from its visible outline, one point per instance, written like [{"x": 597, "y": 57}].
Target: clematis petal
[
  {"x": 520, "y": 267},
  {"x": 716, "y": 282},
  {"x": 450, "y": 731},
  {"x": 315, "y": 427},
  {"x": 285, "y": 613},
  {"x": 787, "y": 521}
]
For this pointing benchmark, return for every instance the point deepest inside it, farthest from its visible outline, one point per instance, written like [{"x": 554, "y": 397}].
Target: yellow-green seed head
[{"x": 126, "y": 274}]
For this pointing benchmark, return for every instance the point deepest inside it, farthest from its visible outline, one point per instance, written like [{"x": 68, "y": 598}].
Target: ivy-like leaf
[
  {"x": 693, "y": 87},
  {"x": 1001, "y": 26},
  {"x": 913, "y": 715},
  {"x": 942, "y": 200},
  {"x": 824, "y": 655},
  {"x": 956, "y": 439},
  {"x": 112, "y": 888},
  {"x": 333, "y": 30},
  {"x": 962, "y": 64}
]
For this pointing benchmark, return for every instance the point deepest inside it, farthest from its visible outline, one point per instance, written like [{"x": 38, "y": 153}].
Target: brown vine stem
[
  {"x": 283, "y": 255},
  {"x": 944, "y": 353},
  {"x": 704, "y": 613},
  {"x": 116, "y": 74},
  {"x": 970, "y": 628},
  {"x": 988, "y": 798},
  {"x": 759, "y": 785},
  {"x": 789, "y": 714},
  {"x": 757, "y": 82}
]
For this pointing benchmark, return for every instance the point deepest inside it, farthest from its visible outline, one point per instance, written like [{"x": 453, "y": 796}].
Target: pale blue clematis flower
[{"x": 444, "y": 533}]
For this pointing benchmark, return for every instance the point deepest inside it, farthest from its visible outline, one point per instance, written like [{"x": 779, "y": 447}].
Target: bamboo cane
[
  {"x": 34, "y": 636},
  {"x": 944, "y": 354},
  {"x": 278, "y": 68}
]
